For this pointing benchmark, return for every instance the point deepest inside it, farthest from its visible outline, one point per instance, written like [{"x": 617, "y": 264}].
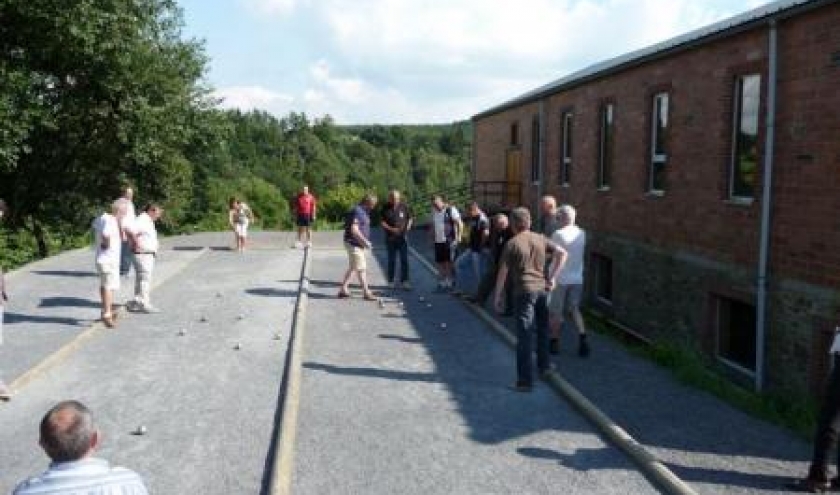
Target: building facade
[{"x": 667, "y": 154}]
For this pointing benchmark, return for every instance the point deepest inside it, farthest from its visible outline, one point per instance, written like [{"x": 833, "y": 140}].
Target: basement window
[
  {"x": 736, "y": 333},
  {"x": 602, "y": 268}
]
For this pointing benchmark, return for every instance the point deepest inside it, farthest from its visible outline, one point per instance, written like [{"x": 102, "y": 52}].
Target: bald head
[
  {"x": 548, "y": 205},
  {"x": 68, "y": 433}
]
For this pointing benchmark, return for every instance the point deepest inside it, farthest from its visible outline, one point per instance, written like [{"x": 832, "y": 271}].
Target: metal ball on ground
[
  {"x": 140, "y": 430},
  {"x": 237, "y": 346},
  {"x": 443, "y": 326},
  {"x": 182, "y": 332}
]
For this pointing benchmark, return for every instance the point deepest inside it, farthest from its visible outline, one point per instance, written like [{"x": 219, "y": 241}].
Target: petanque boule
[
  {"x": 421, "y": 298},
  {"x": 203, "y": 319},
  {"x": 237, "y": 346},
  {"x": 429, "y": 305},
  {"x": 443, "y": 326},
  {"x": 381, "y": 303},
  {"x": 278, "y": 336},
  {"x": 240, "y": 317},
  {"x": 182, "y": 332},
  {"x": 140, "y": 430}
]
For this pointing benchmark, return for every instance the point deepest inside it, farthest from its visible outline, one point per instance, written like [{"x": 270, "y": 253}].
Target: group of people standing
[{"x": 125, "y": 240}]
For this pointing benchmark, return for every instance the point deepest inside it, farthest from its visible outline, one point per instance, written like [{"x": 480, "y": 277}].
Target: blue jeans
[
  {"x": 126, "y": 258},
  {"x": 397, "y": 245},
  {"x": 531, "y": 316}
]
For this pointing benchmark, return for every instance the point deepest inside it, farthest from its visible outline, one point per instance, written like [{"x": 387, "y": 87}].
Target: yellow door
[{"x": 513, "y": 178}]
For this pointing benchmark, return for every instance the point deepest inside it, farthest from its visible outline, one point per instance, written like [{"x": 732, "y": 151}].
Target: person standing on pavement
[
  {"x": 5, "y": 393},
  {"x": 70, "y": 438},
  {"x": 239, "y": 217},
  {"x": 445, "y": 232},
  {"x": 108, "y": 243},
  {"x": 568, "y": 292},
  {"x": 305, "y": 207},
  {"x": 396, "y": 222},
  {"x": 126, "y": 254},
  {"x": 474, "y": 257},
  {"x": 357, "y": 242},
  {"x": 500, "y": 234},
  {"x": 523, "y": 260},
  {"x": 548, "y": 225},
  {"x": 827, "y": 434},
  {"x": 145, "y": 243}
]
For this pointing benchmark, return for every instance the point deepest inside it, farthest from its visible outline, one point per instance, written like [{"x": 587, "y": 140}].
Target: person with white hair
[
  {"x": 568, "y": 291},
  {"x": 108, "y": 246}
]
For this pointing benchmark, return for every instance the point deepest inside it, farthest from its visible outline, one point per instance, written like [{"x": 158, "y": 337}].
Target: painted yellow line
[
  {"x": 647, "y": 463},
  {"x": 283, "y": 466},
  {"x": 90, "y": 332}
]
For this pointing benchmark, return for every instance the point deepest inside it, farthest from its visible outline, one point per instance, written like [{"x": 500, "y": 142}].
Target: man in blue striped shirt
[{"x": 69, "y": 437}]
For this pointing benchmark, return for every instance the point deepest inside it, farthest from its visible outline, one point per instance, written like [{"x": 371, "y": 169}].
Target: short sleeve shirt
[
  {"x": 359, "y": 216},
  {"x": 524, "y": 255},
  {"x": 146, "y": 234},
  {"x": 478, "y": 225},
  {"x": 305, "y": 204},
  {"x": 105, "y": 226},
  {"x": 444, "y": 230},
  {"x": 573, "y": 240},
  {"x": 396, "y": 216}
]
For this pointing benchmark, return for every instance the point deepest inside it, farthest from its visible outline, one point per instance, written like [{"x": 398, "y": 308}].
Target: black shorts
[
  {"x": 443, "y": 252},
  {"x": 304, "y": 220}
]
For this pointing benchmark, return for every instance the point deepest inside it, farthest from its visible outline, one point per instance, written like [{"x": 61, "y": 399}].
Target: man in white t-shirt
[
  {"x": 568, "y": 290},
  {"x": 145, "y": 243},
  {"x": 107, "y": 245},
  {"x": 445, "y": 232}
]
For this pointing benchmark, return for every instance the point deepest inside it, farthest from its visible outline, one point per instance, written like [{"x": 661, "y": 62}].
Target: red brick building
[{"x": 667, "y": 153}]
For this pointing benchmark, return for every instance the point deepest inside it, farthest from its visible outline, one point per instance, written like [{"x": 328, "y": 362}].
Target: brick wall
[{"x": 673, "y": 250}]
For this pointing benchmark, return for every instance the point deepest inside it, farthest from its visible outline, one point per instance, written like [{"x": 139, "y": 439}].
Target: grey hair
[
  {"x": 71, "y": 441},
  {"x": 120, "y": 206},
  {"x": 567, "y": 214},
  {"x": 520, "y": 218}
]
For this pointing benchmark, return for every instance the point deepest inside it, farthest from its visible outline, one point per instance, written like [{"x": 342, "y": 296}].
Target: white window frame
[
  {"x": 606, "y": 112},
  {"x": 566, "y": 148},
  {"x": 657, "y": 159}
]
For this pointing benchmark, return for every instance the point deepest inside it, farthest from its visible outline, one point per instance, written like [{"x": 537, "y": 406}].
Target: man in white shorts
[
  {"x": 107, "y": 245},
  {"x": 145, "y": 243},
  {"x": 568, "y": 290}
]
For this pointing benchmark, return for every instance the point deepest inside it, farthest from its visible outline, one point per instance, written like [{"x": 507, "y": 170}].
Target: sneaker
[
  {"x": 522, "y": 386},
  {"x": 406, "y": 285},
  {"x": 5, "y": 393},
  {"x": 583, "y": 346},
  {"x": 554, "y": 346}
]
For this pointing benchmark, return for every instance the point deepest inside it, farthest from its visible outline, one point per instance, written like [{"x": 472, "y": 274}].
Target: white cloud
[
  {"x": 442, "y": 60},
  {"x": 254, "y": 97}
]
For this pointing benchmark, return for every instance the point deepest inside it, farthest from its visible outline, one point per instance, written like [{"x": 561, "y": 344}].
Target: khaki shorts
[
  {"x": 109, "y": 275},
  {"x": 356, "y": 257},
  {"x": 565, "y": 298}
]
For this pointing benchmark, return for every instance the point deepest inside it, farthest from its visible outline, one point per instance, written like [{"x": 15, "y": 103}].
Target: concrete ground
[{"x": 390, "y": 401}]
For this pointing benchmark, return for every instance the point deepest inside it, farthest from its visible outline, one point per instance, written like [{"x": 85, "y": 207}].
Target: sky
[{"x": 419, "y": 61}]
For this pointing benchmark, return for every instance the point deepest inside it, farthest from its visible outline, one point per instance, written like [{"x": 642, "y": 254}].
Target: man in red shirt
[{"x": 305, "y": 208}]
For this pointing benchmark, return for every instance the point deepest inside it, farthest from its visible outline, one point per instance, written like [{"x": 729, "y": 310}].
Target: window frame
[
  {"x": 598, "y": 262},
  {"x": 719, "y": 302},
  {"x": 658, "y": 159},
  {"x": 514, "y": 134},
  {"x": 737, "y": 122},
  {"x": 536, "y": 129},
  {"x": 606, "y": 144},
  {"x": 566, "y": 134}
]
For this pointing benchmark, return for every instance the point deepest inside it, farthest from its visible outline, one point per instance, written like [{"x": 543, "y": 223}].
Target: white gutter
[{"x": 766, "y": 206}]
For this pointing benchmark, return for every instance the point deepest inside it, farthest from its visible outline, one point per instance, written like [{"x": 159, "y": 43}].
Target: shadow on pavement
[
  {"x": 15, "y": 318},
  {"x": 400, "y": 338},
  {"x": 579, "y": 460},
  {"x": 64, "y": 273},
  {"x": 375, "y": 373},
  {"x": 67, "y": 302}
]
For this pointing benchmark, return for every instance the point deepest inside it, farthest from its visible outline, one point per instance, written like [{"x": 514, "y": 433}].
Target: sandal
[
  {"x": 369, "y": 296},
  {"x": 108, "y": 320},
  {"x": 343, "y": 294}
]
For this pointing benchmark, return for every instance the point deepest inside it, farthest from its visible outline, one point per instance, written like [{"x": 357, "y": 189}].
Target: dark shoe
[
  {"x": 808, "y": 485},
  {"x": 583, "y": 346},
  {"x": 108, "y": 320},
  {"x": 554, "y": 346},
  {"x": 343, "y": 294},
  {"x": 521, "y": 386},
  {"x": 547, "y": 372},
  {"x": 369, "y": 296}
]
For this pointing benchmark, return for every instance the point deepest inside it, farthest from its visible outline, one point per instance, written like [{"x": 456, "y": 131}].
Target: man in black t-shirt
[{"x": 396, "y": 222}]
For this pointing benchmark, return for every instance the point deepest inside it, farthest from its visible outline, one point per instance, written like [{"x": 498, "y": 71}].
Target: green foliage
[{"x": 337, "y": 201}]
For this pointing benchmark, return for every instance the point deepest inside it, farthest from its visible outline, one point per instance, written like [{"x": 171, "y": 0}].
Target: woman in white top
[{"x": 239, "y": 217}]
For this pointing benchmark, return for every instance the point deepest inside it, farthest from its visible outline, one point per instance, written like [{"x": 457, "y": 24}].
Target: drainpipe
[
  {"x": 766, "y": 198},
  {"x": 541, "y": 159}
]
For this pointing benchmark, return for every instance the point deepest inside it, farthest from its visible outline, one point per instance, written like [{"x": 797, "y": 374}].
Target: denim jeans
[
  {"x": 531, "y": 316},
  {"x": 397, "y": 245},
  {"x": 828, "y": 427},
  {"x": 126, "y": 258}
]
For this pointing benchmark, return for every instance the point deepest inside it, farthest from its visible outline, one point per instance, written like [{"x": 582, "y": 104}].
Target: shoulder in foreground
[{"x": 115, "y": 481}]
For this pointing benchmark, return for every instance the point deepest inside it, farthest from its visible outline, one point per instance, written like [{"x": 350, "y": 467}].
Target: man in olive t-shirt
[{"x": 523, "y": 260}]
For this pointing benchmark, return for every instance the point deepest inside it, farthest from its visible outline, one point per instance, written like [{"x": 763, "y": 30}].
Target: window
[
  {"x": 605, "y": 149},
  {"x": 658, "y": 142},
  {"x": 736, "y": 333},
  {"x": 514, "y": 134},
  {"x": 535, "y": 150},
  {"x": 744, "y": 164},
  {"x": 602, "y": 269},
  {"x": 566, "y": 149}
]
